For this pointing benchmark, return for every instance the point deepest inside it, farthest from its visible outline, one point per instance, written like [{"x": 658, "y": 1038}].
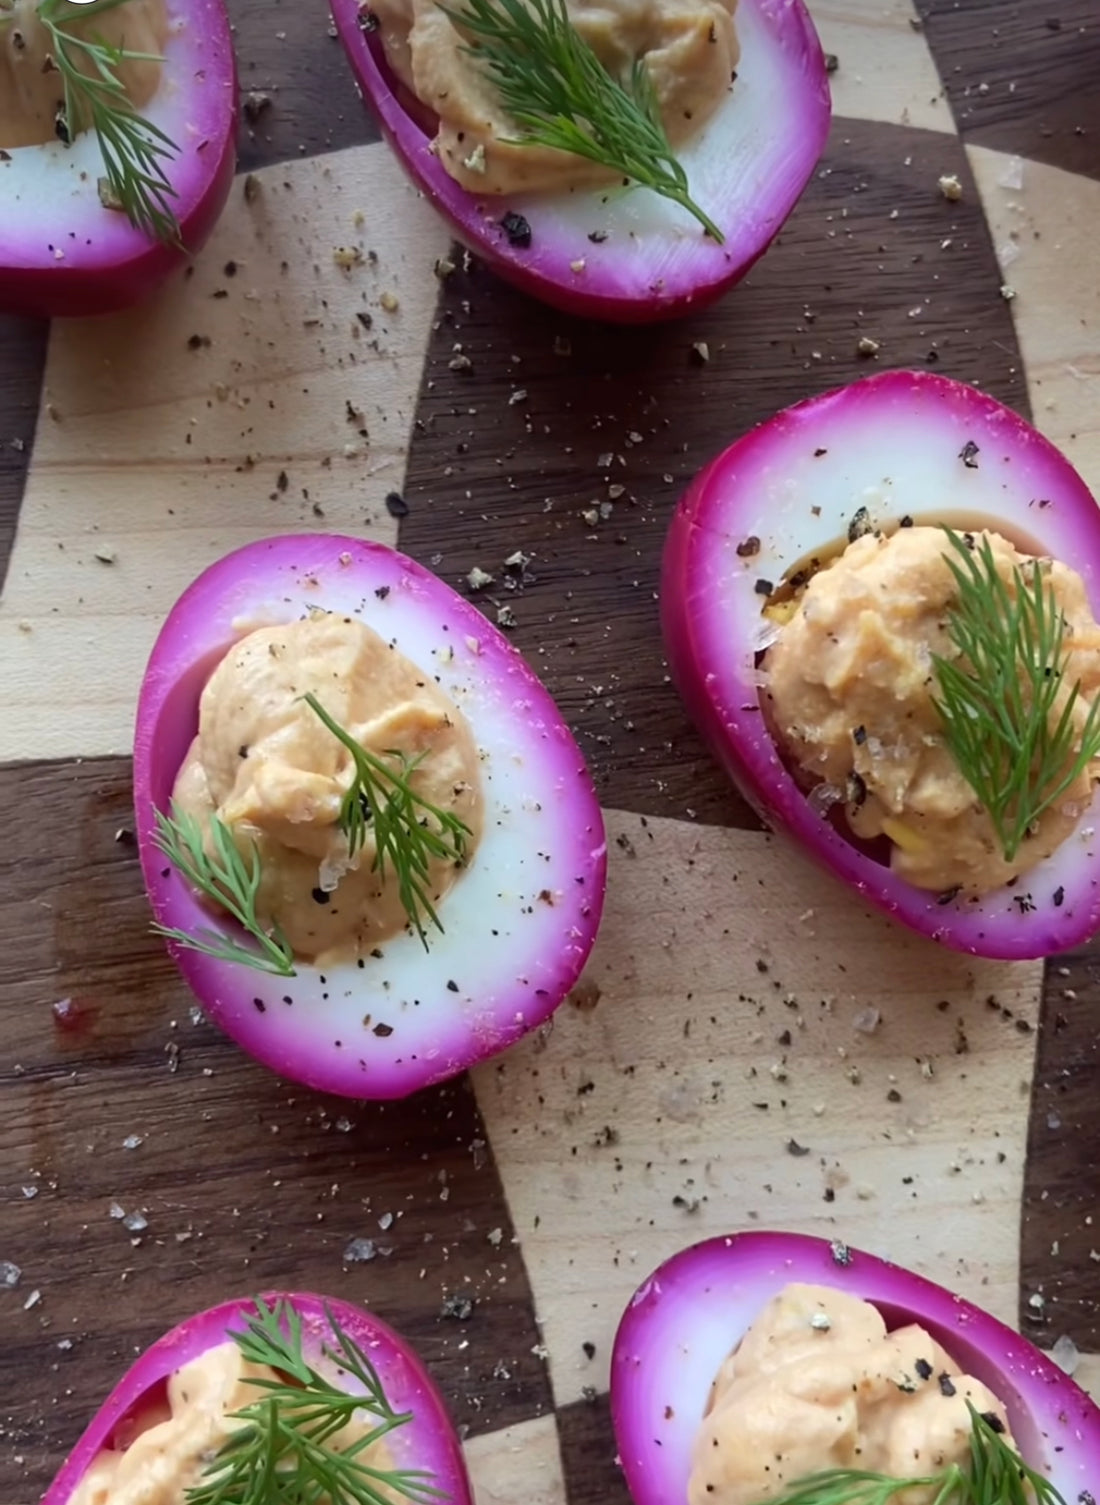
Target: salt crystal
[
  {"x": 133, "y": 1141},
  {"x": 867, "y": 1021},
  {"x": 10, "y": 1275},
  {"x": 30, "y": 1191},
  {"x": 823, "y": 796},
  {"x": 1013, "y": 174},
  {"x": 1007, "y": 254},
  {"x": 343, "y": 1126},
  {"x": 116, "y": 1212},
  {"x": 32, "y": 1300},
  {"x": 765, "y": 635},
  {"x": 135, "y": 1223},
  {"x": 385, "y": 1221},
  {"x": 1065, "y": 1354},
  {"x": 359, "y": 1250}
]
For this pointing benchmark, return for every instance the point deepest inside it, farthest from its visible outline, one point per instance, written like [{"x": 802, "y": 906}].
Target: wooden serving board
[{"x": 739, "y": 1007}]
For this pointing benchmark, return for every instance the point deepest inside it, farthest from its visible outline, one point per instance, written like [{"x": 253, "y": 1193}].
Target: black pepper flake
[
  {"x": 794, "y": 1148},
  {"x": 597, "y": 237},
  {"x": 749, "y": 547},
  {"x": 894, "y": 1096},
  {"x": 396, "y": 505},
  {"x": 259, "y": 1005},
  {"x": 1059, "y": 897},
  {"x": 382, "y": 592},
  {"x": 923, "y": 1368},
  {"x": 819, "y": 452},
  {"x": 383, "y": 1031},
  {"x": 319, "y": 896},
  {"x": 589, "y": 1350},
  {"x": 855, "y": 790},
  {"x": 949, "y": 894},
  {"x": 994, "y": 1422},
  {"x": 516, "y": 229},
  {"x": 763, "y": 587},
  {"x": 830, "y": 1194},
  {"x": 452, "y": 986},
  {"x": 368, "y": 21},
  {"x": 946, "y": 1386},
  {"x": 969, "y": 455},
  {"x": 832, "y": 62},
  {"x": 860, "y": 524},
  {"x": 906, "y": 522},
  {"x": 842, "y": 1255},
  {"x": 859, "y": 735},
  {"x": 458, "y": 1307}
]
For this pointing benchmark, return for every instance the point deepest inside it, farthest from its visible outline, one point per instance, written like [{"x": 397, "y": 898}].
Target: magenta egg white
[
  {"x": 519, "y": 921},
  {"x": 61, "y": 251},
  {"x": 428, "y": 1441},
  {"x": 899, "y": 444},
  {"x": 693, "y": 1311},
  {"x": 649, "y": 259}
]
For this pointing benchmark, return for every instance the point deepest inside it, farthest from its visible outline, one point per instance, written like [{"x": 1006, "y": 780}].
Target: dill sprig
[
  {"x": 998, "y": 701},
  {"x": 282, "y": 1452},
  {"x": 134, "y": 149},
  {"x": 553, "y": 85},
  {"x": 994, "y": 1474},
  {"x": 408, "y": 830},
  {"x": 232, "y": 882}
]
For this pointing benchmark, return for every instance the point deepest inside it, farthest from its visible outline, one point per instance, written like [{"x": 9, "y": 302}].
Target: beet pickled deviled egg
[
  {"x": 775, "y": 1367},
  {"x": 117, "y": 146},
  {"x": 289, "y": 1397},
  {"x": 880, "y": 609},
  {"x": 624, "y": 162},
  {"x": 368, "y": 835}
]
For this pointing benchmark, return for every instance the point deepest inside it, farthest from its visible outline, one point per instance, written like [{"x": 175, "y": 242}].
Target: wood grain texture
[
  {"x": 554, "y": 419},
  {"x": 298, "y": 95},
  {"x": 239, "y": 403},
  {"x": 22, "y": 360},
  {"x": 751, "y": 1047},
  {"x": 1060, "y": 1243},
  {"x": 242, "y": 1182},
  {"x": 1022, "y": 77},
  {"x": 588, "y": 1453}
]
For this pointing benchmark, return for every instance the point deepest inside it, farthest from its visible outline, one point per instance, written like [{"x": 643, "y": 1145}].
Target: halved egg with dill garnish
[
  {"x": 742, "y": 104},
  {"x": 288, "y": 1396},
  {"x": 118, "y": 123},
  {"x": 880, "y": 609},
  {"x": 773, "y": 1366},
  {"x": 366, "y": 832}
]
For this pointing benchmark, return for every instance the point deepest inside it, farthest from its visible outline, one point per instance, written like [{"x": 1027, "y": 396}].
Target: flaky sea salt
[
  {"x": 359, "y": 1250},
  {"x": 1065, "y": 1354}
]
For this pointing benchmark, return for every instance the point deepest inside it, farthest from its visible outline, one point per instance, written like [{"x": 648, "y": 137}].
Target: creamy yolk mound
[
  {"x": 174, "y": 1443},
  {"x": 31, "y": 89},
  {"x": 266, "y": 765},
  {"x": 850, "y": 687},
  {"x": 817, "y": 1383},
  {"x": 688, "y": 47}
]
